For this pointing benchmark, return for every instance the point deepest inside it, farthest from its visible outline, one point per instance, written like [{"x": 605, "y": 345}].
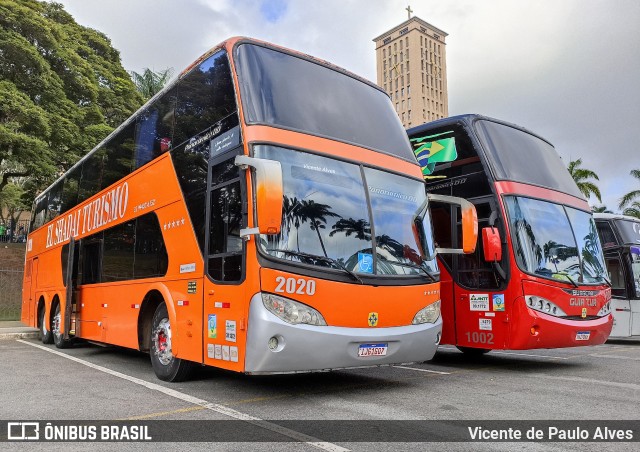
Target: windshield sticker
[
  {"x": 365, "y": 263},
  {"x": 212, "y": 330},
  {"x": 498, "y": 302},
  {"x": 479, "y": 302},
  {"x": 429, "y": 152},
  {"x": 392, "y": 194},
  {"x": 635, "y": 250},
  {"x": 227, "y": 140}
]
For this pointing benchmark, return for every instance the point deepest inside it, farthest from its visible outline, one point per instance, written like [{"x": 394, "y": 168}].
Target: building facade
[{"x": 411, "y": 64}]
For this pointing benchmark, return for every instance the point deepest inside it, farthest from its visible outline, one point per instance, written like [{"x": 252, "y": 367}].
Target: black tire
[
  {"x": 46, "y": 335},
  {"x": 472, "y": 351},
  {"x": 58, "y": 337},
  {"x": 166, "y": 366}
]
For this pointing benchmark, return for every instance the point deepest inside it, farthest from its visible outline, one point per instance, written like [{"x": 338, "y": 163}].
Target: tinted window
[
  {"x": 294, "y": 93},
  {"x": 629, "y": 231},
  {"x": 91, "y": 175},
  {"x": 154, "y": 130},
  {"x": 519, "y": 156},
  {"x": 616, "y": 276},
  {"x": 118, "y": 159},
  {"x": 118, "y": 253},
  {"x": 91, "y": 255},
  {"x": 70, "y": 189},
  {"x": 151, "y": 258},
  {"x": 39, "y": 211},
  {"x": 205, "y": 96},
  {"x": 606, "y": 234},
  {"x": 54, "y": 201}
]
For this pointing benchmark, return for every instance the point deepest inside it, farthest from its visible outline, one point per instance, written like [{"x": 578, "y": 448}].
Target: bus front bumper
[{"x": 305, "y": 348}]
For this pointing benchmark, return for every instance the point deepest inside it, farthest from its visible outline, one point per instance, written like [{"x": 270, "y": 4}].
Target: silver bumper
[{"x": 304, "y": 348}]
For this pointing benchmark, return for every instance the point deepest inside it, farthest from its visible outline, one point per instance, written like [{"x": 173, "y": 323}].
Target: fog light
[{"x": 273, "y": 343}]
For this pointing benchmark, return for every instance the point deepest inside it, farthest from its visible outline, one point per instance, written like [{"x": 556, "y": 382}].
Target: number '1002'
[
  {"x": 299, "y": 286},
  {"x": 479, "y": 338}
]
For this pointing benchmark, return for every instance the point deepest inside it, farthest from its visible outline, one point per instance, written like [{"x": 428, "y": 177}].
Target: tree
[
  {"x": 633, "y": 210},
  {"x": 581, "y": 176},
  {"x": 149, "y": 82},
  {"x": 62, "y": 90},
  {"x": 600, "y": 209},
  {"x": 634, "y": 195}
]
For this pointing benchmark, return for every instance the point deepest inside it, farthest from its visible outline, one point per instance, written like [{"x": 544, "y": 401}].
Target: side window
[
  {"x": 118, "y": 159},
  {"x": 70, "y": 189},
  {"x": 39, "y": 212},
  {"x": 225, "y": 243},
  {"x": 91, "y": 259},
  {"x": 154, "y": 129},
  {"x": 54, "y": 202},
  {"x": 91, "y": 175},
  {"x": 118, "y": 254},
  {"x": 151, "y": 258},
  {"x": 616, "y": 276}
]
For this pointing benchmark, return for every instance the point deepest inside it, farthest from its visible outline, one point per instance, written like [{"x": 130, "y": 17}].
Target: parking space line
[
  {"x": 163, "y": 413},
  {"x": 588, "y": 380},
  {"x": 301, "y": 437},
  {"x": 423, "y": 370}
]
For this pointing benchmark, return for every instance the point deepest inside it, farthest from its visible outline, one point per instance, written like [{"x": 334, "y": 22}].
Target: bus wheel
[
  {"x": 472, "y": 351},
  {"x": 46, "y": 335},
  {"x": 166, "y": 366},
  {"x": 58, "y": 337}
]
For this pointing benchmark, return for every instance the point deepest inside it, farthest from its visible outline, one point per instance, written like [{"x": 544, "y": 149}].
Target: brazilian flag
[{"x": 429, "y": 152}]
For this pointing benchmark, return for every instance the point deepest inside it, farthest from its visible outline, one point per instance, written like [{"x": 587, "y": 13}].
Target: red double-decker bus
[{"x": 537, "y": 278}]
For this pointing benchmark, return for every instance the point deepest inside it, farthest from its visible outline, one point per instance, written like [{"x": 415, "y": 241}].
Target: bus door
[
  {"x": 33, "y": 303},
  {"x": 635, "y": 290},
  {"x": 620, "y": 294},
  {"x": 70, "y": 281},
  {"x": 225, "y": 295},
  {"x": 481, "y": 311}
]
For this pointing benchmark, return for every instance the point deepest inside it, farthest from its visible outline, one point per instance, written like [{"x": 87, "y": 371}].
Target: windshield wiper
[
  {"x": 569, "y": 278},
  {"x": 404, "y": 264},
  {"x": 331, "y": 260}
]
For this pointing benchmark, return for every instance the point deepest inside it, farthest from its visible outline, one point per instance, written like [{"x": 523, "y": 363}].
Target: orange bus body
[{"x": 211, "y": 321}]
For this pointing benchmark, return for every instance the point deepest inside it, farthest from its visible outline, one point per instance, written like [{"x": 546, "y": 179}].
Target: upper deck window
[
  {"x": 297, "y": 94},
  {"x": 518, "y": 156}
]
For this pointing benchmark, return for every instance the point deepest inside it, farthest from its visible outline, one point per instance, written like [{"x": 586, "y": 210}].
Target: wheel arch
[{"x": 155, "y": 296}]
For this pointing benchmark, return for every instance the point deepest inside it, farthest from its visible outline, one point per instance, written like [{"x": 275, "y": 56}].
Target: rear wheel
[
  {"x": 165, "y": 365},
  {"x": 46, "y": 335},
  {"x": 58, "y": 337},
  {"x": 472, "y": 351}
]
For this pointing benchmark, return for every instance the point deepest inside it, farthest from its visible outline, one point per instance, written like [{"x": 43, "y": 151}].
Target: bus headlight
[
  {"x": 605, "y": 310},
  {"x": 427, "y": 314},
  {"x": 291, "y": 311},
  {"x": 543, "y": 305}
]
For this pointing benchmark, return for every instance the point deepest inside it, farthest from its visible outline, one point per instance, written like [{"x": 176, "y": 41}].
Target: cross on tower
[{"x": 409, "y": 11}]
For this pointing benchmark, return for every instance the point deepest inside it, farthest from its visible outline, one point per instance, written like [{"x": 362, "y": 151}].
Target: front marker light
[
  {"x": 543, "y": 305},
  {"x": 291, "y": 311},
  {"x": 428, "y": 314}
]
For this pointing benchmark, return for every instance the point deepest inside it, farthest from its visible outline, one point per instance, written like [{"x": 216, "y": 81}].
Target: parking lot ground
[{"x": 89, "y": 382}]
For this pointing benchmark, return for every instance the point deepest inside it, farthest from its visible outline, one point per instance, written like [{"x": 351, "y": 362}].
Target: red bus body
[{"x": 481, "y": 309}]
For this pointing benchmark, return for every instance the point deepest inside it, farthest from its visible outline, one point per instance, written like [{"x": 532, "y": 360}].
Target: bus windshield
[
  {"x": 295, "y": 93},
  {"x": 330, "y": 220},
  {"x": 555, "y": 241},
  {"x": 519, "y": 156}
]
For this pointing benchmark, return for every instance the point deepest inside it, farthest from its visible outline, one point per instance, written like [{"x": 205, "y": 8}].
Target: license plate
[
  {"x": 582, "y": 335},
  {"x": 372, "y": 350}
]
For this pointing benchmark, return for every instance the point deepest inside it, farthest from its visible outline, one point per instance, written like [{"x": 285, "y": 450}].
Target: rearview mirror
[
  {"x": 469, "y": 224},
  {"x": 268, "y": 194},
  {"x": 491, "y": 244}
]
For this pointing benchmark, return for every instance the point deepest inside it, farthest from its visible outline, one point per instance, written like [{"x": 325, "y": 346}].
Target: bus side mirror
[
  {"x": 268, "y": 194},
  {"x": 469, "y": 224},
  {"x": 491, "y": 244}
]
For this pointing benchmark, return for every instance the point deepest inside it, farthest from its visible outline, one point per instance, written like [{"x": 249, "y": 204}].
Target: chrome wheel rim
[
  {"x": 162, "y": 342},
  {"x": 56, "y": 326}
]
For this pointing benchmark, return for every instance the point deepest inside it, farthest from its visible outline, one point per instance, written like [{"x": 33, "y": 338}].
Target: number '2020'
[{"x": 298, "y": 286}]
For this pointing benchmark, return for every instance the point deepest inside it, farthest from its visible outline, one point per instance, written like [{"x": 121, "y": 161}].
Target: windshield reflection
[
  {"x": 326, "y": 221},
  {"x": 544, "y": 241}
]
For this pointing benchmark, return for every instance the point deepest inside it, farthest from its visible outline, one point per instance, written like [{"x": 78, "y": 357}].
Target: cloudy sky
[{"x": 566, "y": 69}]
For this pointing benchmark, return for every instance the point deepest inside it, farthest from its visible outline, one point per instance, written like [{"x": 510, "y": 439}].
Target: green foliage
[
  {"x": 600, "y": 209},
  {"x": 150, "y": 82},
  {"x": 581, "y": 176},
  {"x": 62, "y": 90},
  {"x": 631, "y": 199}
]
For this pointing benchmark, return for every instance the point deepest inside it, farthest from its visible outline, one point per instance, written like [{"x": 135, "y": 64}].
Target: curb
[{"x": 24, "y": 335}]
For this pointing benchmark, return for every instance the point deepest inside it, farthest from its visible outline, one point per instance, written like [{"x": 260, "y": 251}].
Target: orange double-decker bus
[{"x": 264, "y": 213}]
